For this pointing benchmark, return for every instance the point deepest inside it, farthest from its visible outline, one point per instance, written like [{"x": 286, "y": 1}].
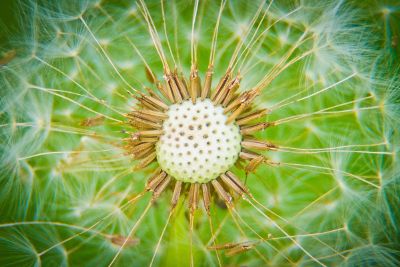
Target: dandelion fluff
[{"x": 309, "y": 89}]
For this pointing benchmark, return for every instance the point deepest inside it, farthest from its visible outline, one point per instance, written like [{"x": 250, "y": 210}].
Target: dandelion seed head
[
  {"x": 67, "y": 112},
  {"x": 197, "y": 146},
  {"x": 74, "y": 53},
  {"x": 386, "y": 11},
  {"x": 132, "y": 11},
  {"x": 111, "y": 87},
  {"x": 329, "y": 155},
  {"x": 104, "y": 41}
]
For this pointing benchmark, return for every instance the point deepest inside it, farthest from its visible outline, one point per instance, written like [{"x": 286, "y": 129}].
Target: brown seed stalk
[
  {"x": 248, "y": 155},
  {"x": 232, "y": 90},
  {"x": 205, "y": 92},
  {"x": 153, "y": 101},
  {"x": 239, "y": 249},
  {"x": 155, "y": 180},
  {"x": 231, "y": 184},
  {"x": 194, "y": 83},
  {"x": 146, "y": 161},
  {"x": 143, "y": 123},
  {"x": 250, "y": 129},
  {"x": 173, "y": 88},
  {"x": 238, "y": 182},
  {"x": 245, "y": 98},
  {"x": 236, "y": 113},
  {"x": 151, "y": 115},
  {"x": 221, "y": 83},
  {"x": 254, "y": 163},
  {"x": 119, "y": 240},
  {"x": 161, "y": 187},
  {"x": 143, "y": 154},
  {"x": 248, "y": 117},
  {"x": 219, "y": 97},
  {"x": 182, "y": 89},
  {"x": 176, "y": 194},
  {"x": 221, "y": 192},
  {"x": 140, "y": 147},
  {"x": 193, "y": 197},
  {"x": 148, "y": 133},
  {"x": 206, "y": 197},
  {"x": 256, "y": 144},
  {"x": 95, "y": 121}
]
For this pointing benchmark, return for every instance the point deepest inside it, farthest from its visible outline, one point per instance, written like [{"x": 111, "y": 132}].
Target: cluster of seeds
[
  {"x": 196, "y": 134},
  {"x": 197, "y": 145}
]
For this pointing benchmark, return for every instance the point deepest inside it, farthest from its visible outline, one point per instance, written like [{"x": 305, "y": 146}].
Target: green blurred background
[{"x": 386, "y": 26}]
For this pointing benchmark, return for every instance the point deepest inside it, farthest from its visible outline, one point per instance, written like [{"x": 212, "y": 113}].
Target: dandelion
[{"x": 202, "y": 133}]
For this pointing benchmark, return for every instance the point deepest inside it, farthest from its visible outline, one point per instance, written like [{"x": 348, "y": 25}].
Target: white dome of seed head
[{"x": 197, "y": 146}]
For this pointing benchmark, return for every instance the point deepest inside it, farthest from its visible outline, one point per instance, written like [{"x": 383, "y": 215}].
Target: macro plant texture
[{"x": 200, "y": 133}]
